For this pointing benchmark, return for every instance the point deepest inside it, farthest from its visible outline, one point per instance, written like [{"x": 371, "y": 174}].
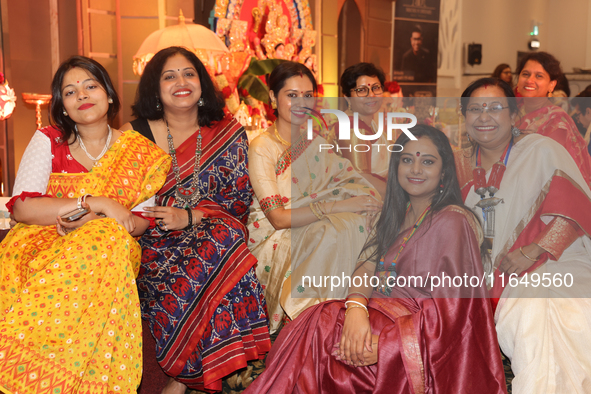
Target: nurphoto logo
[{"x": 393, "y": 122}]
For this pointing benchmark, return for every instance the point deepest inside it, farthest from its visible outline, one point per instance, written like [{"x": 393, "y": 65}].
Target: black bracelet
[{"x": 190, "y": 212}]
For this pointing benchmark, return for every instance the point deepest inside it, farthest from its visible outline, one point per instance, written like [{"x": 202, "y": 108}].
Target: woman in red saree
[
  {"x": 538, "y": 74},
  {"x": 409, "y": 338},
  {"x": 198, "y": 290}
]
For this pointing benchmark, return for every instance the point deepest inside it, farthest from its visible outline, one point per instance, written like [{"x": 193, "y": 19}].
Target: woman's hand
[
  {"x": 358, "y": 204},
  {"x": 516, "y": 263},
  {"x": 170, "y": 218},
  {"x": 371, "y": 358},
  {"x": 64, "y": 227},
  {"x": 115, "y": 210},
  {"x": 356, "y": 339}
]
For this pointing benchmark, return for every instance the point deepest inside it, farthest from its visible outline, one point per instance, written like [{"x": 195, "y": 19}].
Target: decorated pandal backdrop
[
  {"x": 249, "y": 38},
  {"x": 257, "y": 32},
  {"x": 253, "y": 36}
]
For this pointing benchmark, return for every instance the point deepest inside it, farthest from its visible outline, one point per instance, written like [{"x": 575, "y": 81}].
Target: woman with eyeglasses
[
  {"x": 538, "y": 74},
  {"x": 503, "y": 72},
  {"x": 363, "y": 85},
  {"x": 307, "y": 220},
  {"x": 536, "y": 211}
]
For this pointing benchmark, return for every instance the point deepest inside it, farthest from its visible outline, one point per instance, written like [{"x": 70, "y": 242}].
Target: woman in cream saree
[{"x": 307, "y": 182}]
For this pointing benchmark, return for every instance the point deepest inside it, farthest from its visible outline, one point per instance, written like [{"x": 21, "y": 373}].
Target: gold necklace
[{"x": 284, "y": 142}]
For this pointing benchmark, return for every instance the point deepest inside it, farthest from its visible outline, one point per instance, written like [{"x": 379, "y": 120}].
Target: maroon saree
[{"x": 426, "y": 345}]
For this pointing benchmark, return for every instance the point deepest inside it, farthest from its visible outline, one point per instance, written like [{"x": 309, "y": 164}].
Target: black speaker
[{"x": 474, "y": 54}]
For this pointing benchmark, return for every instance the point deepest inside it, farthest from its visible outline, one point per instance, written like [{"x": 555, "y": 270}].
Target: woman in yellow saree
[{"x": 70, "y": 318}]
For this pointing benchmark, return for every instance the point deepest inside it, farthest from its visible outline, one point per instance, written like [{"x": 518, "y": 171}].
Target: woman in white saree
[{"x": 539, "y": 223}]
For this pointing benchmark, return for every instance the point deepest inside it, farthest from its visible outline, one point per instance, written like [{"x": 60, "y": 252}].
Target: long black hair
[
  {"x": 390, "y": 222},
  {"x": 148, "y": 92},
  {"x": 56, "y": 106}
]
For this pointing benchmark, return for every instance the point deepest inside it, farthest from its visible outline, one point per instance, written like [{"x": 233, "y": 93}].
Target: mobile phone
[{"x": 75, "y": 214}]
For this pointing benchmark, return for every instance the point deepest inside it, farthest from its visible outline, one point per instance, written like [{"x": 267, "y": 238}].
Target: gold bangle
[
  {"x": 314, "y": 210},
  {"x": 356, "y": 306},
  {"x": 332, "y": 206},
  {"x": 321, "y": 208},
  {"x": 526, "y": 256}
]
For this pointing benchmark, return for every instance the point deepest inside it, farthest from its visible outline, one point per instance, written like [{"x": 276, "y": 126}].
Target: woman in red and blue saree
[{"x": 198, "y": 289}]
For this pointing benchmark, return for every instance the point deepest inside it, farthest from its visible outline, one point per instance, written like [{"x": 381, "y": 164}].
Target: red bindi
[
  {"x": 77, "y": 81},
  {"x": 418, "y": 154}
]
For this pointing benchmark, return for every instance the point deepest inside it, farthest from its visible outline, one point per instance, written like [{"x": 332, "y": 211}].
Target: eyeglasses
[
  {"x": 363, "y": 91},
  {"x": 479, "y": 109}
]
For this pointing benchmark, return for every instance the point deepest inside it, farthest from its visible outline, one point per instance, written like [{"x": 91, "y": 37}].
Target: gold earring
[
  {"x": 273, "y": 104},
  {"x": 110, "y": 100},
  {"x": 64, "y": 112}
]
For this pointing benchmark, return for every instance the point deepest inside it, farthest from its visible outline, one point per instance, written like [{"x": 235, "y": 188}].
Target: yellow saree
[{"x": 70, "y": 318}]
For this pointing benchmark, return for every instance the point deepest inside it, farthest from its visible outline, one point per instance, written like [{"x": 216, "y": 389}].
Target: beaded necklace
[
  {"x": 481, "y": 187},
  {"x": 187, "y": 197},
  {"x": 383, "y": 272}
]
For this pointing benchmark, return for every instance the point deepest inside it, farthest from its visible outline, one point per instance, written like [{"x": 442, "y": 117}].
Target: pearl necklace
[
  {"x": 95, "y": 159},
  {"x": 188, "y": 197}
]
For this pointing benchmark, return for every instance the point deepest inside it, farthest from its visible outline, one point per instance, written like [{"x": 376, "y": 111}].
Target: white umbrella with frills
[{"x": 192, "y": 36}]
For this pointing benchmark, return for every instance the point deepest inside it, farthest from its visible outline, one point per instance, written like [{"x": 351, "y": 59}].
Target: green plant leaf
[
  {"x": 255, "y": 87},
  {"x": 262, "y": 67}
]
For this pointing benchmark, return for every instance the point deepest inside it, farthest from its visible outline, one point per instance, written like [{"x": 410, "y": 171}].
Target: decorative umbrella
[
  {"x": 192, "y": 36},
  {"x": 7, "y": 99}
]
